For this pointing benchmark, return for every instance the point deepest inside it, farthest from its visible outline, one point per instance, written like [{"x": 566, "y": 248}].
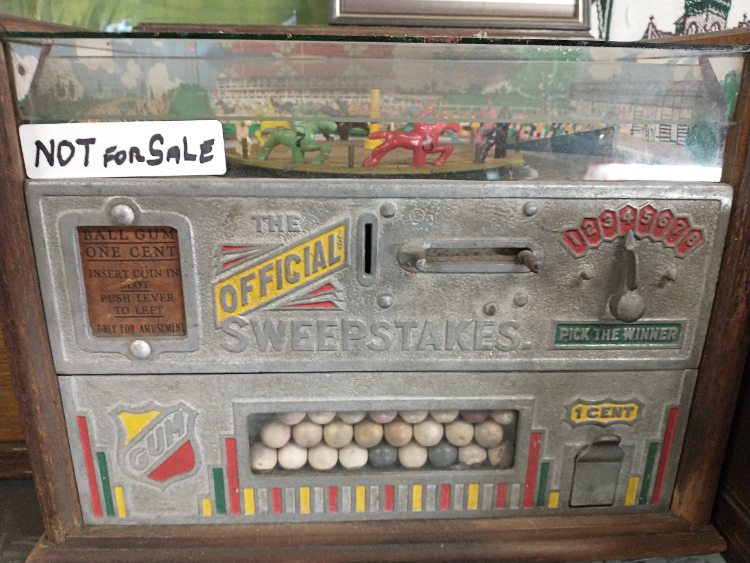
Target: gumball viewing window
[{"x": 283, "y": 296}]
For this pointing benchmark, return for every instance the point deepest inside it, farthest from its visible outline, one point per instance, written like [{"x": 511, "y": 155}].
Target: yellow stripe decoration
[
  {"x": 120, "y": 503},
  {"x": 631, "y": 491},
  {"x": 472, "y": 502},
  {"x": 207, "y": 508},
  {"x": 416, "y": 498},
  {"x": 360, "y": 498},
  {"x": 249, "y": 495},
  {"x": 304, "y": 500},
  {"x": 554, "y": 499}
]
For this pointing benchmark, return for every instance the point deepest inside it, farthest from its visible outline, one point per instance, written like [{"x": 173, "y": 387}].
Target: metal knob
[{"x": 627, "y": 304}]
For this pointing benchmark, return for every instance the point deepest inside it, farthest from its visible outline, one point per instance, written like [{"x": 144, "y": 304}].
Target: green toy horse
[{"x": 300, "y": 138}]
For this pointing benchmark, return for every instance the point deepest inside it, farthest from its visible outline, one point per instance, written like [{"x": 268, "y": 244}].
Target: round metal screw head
[
  {"x": 530, "y": 208},
  {"x": 490, "y": 309},
  {"x": 520, "y": 299},
  {"x": 385, "y": 301},
  {"x": 421, "y": 264},
  {"x": 388, "y": 209},
  {"x": 140, "y": 349},
  {"x": 122, "y": 214}
]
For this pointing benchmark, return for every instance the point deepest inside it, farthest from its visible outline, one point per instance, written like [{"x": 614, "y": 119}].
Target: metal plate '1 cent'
[{"x": 133, "y": 281}]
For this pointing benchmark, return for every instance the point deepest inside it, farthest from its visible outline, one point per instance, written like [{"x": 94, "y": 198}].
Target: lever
[{"x": 627, "y": 304}]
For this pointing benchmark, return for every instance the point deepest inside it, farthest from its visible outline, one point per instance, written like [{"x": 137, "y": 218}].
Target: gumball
[
  {"x": 321, "y": 417},
  {"x": 412, "y": 417},
  {"x": 307, "y": 434},
  {"x": 474, "y": 416},
  {"x": 383, "y": 455},
  {"x": 443, "y": 455},
  {"x": 398, "y": 433},
  {"x": 338, "y": 434},
  {"x": 412, "y": 455},
  {"x": 472, "y": 454},
  {"x": 383, "y": 416},
  {"x": 352, "y": 417},
  {"x": 428, "y": 432},
  {"x": 262, "y": 458},
  {"x": 290, "y": 418},
  {"x": 292, "y": 456},
  {"x": 488, "y": 434},
  {"x": 501, "y": 456},
  {"x": 444, "y": 416},
  {"x": 275, "y": 434},
  {"x": 353, "y": 456},
  {"x": 459, "y": 432},
  {"x": 322, "y": 457},
  {"x": 368, "y": 433},
  {"x": 506, "y": 418}
]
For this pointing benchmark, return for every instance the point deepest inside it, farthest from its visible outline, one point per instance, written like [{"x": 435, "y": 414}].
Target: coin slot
[
  {"x": 367, "y": 241},
  {"x": 471, "y": 257}
]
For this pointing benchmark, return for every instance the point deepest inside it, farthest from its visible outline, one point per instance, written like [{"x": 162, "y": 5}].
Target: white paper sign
[{"x": 117, "y": 150}]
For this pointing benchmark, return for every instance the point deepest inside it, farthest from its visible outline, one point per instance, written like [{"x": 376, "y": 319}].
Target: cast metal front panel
[
  {"x": 332, "y": 275},
  {"x": 146, "y": 452}
]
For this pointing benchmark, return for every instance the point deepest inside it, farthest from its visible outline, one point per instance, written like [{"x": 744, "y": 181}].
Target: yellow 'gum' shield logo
[
  {"x": 279, "y": 275},
  {"x": 604, "y": 413}
]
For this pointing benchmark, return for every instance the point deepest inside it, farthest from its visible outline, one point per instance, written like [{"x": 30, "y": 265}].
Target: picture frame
[{"x": 563, "y": 15}]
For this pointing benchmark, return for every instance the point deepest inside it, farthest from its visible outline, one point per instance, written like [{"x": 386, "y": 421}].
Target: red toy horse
[{"x": 421, "y": 140}]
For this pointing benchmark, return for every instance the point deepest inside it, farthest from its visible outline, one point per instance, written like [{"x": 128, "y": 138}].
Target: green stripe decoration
[
  {"x": 109, "y": 506},
  {"x": 541, "y": 493},
  {"x": 646, "y": 483},
  {"x": 221, "y": 501}
]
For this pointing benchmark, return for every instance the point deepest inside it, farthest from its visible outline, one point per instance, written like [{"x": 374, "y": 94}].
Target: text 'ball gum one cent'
[
  {"x": 353, "y": 456},
  {"x": 292, "y": 456},
  {"x": 472, "y": 454},
  {"x": 459, "y": 432},
  {"x": 338, "y": 434},
  {"x": 275, "y": 434},
  {"x": 383, "y": 455},
  {"x": 398, "y": 433},
  {"x": 488, "y": 434},
  {"x": 262, "y": 458},
  {"x": 428, "y": 432},
  {"x": 322, "y": 457},
  {"x": 412, "y": 455},
  {"x": 307, "y": 433},
  {"x": 443, "y": 455},
  {"x": 368, "y": 433}
]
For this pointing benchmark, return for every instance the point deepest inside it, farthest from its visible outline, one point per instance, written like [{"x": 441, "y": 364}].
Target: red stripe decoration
[
  {"x": 532, "y": 465},
  {"x": 233, "y": 478},
  {"x": 333, "y": 499},
  {"x": 276, "y": 494},
  {"x": 389, "y": 494},
  {"x": 502, "y": 492},
  {"x": 88, "y": 460},
  {"x": 666, "y": 448},
  {"x": 445, "y": 496}
]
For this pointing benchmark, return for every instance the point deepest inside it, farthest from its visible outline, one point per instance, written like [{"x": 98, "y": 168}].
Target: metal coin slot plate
[
  {"x": 505, "y": 285},
  {"x": 137, "y": 423}
]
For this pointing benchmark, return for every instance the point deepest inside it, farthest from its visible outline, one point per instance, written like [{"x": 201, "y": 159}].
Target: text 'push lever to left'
[{"x": 627, "y": 303}]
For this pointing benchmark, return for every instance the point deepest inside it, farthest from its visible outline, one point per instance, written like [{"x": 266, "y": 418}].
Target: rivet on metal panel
[
  {"x": 140, "y": 349},
  {"x": 388, "y": 209},
  {"x": 520, "y": 299},
  {"x": 490, "y": 309},
  {"x": 122, "y": 214},
  {"x": 385, "y": 301},
  {"x": 530, "y": 208},
  {"x": 421, "y": 264}
]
